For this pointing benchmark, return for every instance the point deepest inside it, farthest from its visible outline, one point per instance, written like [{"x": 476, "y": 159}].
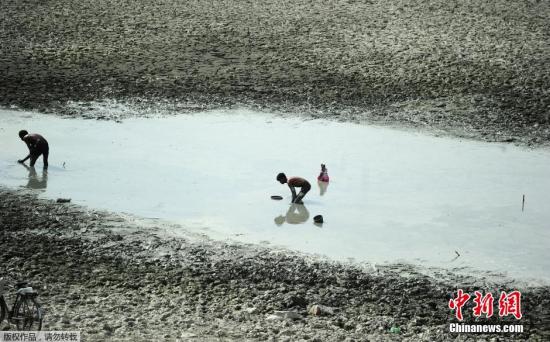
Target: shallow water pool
[{"x": 393, "y": 195}]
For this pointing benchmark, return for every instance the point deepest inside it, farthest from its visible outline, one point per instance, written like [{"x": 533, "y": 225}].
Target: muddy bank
[
  {"x": 476, "y": 69},
  {"x": 116, "y": 278}
]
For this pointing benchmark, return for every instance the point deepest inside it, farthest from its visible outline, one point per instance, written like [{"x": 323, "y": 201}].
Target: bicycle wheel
[
  {"x": 27, "y": 313},
  {"x": 3, "y": 308}
]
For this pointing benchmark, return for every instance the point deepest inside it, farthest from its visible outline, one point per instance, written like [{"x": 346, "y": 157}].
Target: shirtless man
[
  {"x": 37, "y": 146},
  {"x": 295, "y": 182}
]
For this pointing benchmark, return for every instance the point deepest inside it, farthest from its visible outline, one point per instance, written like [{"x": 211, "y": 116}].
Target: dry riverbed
[
  {"x": 118, "y": 278},
  {"x": 476, "y": 68}
]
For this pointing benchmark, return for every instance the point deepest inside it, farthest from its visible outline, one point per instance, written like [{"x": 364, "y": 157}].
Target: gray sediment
[
  {"x": 473, "y": 69},
  {"x": 114, "y": 278}
]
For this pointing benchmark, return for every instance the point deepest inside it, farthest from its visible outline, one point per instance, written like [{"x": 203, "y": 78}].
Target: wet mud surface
[
  {"x": 470, "y": 69},
  {"x": 114, "y": 278}
]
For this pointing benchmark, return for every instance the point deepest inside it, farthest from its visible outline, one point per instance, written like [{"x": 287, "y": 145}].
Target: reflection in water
[
  {"x": 296, "y": 214},
  {"x": 322, "y": 187},
  {"x": 34, "y": 181}
]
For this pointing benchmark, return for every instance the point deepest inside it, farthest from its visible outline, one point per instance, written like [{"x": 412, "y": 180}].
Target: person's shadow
[
  {"x": 34, "y": 181},
  {"x": 296, "y": 214}
]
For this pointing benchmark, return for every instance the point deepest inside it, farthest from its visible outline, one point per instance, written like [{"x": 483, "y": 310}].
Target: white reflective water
[{"x": 393, "y": 195}]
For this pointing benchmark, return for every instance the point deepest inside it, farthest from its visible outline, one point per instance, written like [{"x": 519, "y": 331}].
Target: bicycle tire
[
  {"x": 27, "y": 314},
  {"x": 3, "y": 308}
]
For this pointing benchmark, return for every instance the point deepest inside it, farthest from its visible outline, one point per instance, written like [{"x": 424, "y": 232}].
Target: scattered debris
[
  {"x": 456, "y": 257},
  {"x": 318, "y": 310},
  {"x": 395, "y": 330}
]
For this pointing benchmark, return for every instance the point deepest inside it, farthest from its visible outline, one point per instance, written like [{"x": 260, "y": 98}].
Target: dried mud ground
[
  {"x": 475, "y": 69},
  {"x": 118, "y": 278},
  {"x": 471, "y": 68}
]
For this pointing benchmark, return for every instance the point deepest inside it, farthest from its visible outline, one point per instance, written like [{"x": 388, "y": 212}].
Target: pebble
[
  {"x": 251, "y": 310},
  {"x": 318, "y": 310}
]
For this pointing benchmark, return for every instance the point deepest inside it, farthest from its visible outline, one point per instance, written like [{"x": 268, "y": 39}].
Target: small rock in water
[
  {"x": 318, "y": 219},
  {"x": 63, "y": 200}
]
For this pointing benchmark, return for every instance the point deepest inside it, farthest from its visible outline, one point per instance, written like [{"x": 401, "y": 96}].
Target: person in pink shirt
[{"x": 323, "y": 176}]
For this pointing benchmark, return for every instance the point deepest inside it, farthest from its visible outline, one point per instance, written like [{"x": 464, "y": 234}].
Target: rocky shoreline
[
  {"x": 115, "y": 278},
  {"x": 471, "y": 69}
]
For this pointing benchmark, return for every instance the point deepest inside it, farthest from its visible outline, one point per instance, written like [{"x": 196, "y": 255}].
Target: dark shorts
[
  {"x": 305, "y": 188},
  {"x": 41, "y": 149}
]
